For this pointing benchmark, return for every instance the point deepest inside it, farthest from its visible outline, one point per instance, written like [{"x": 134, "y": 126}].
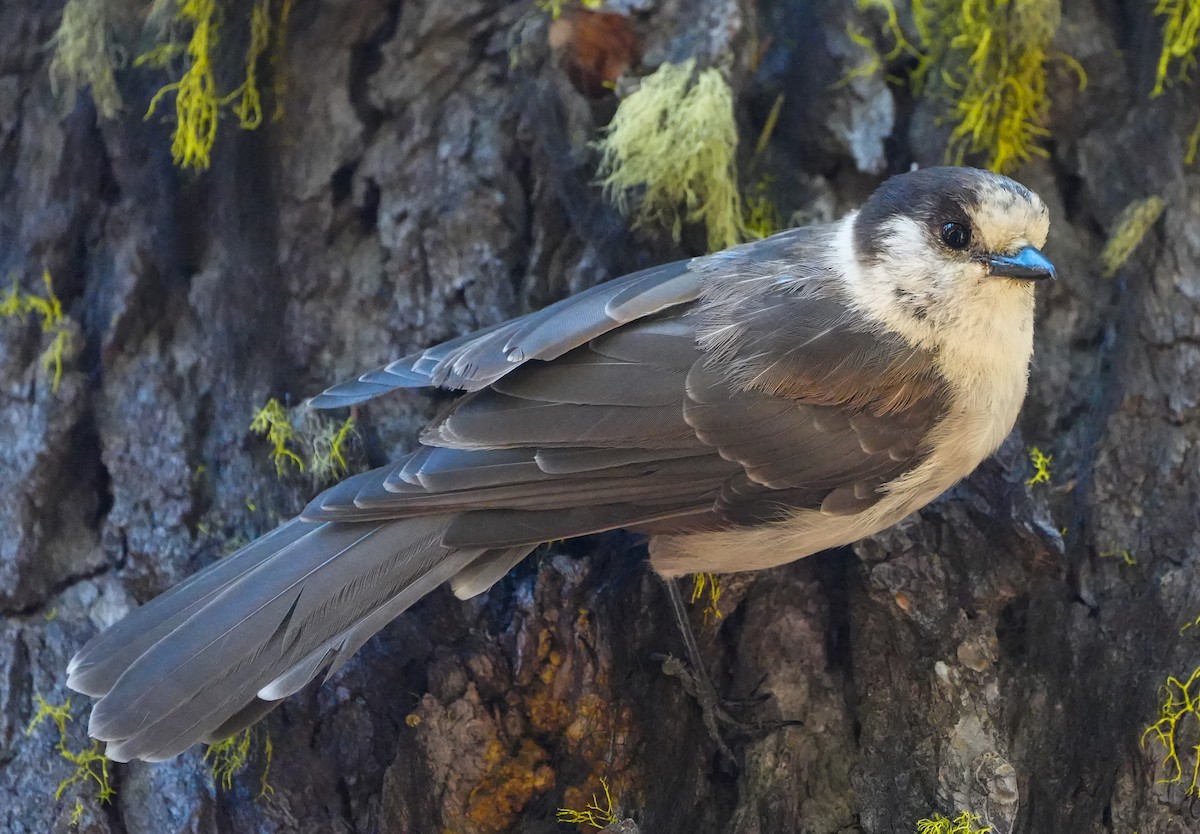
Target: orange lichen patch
[
  {"x": 510, "y": 781},
  {"x": 594, "y": 49}
]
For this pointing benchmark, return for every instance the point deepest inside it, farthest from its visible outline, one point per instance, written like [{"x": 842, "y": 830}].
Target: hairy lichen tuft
[
  {"x": 273, "y": 421},
  {"x": 1041, "y": 467},
  {"x": 877, "y": 61},
  {"x": 964, "y": 823},
  {"x": 707, "y": 587},
  {"x": 328, "y": 445},
  {"x": 1134, "y": 221},
  {"x": 48, "y": 310},
  {"x": 1180, "y": 700},
  {"x": 985, "y": 61},
  {"x": 86, "y": 56},
  {"x": 198, "y": 99},
  {"x": 90, "y": 762},
  {"x": 230, "y": 756},
  {"x": 988, "y": 60},
  {"x": 305, "y": 439},
  {"x": 594, "y": 814},
  {"x": 1181, "y": 36},
  {"x": 669, "y": 154}
]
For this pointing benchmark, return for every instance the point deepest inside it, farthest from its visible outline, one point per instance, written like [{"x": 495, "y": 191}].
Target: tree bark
[{"x": 431, "y": 174}]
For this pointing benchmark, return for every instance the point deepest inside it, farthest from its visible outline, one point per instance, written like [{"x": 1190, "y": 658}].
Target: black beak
[{"x": 1027, "y": 265}]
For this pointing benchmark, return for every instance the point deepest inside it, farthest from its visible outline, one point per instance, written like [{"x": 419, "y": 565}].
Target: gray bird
[{"x": 742, "y": 409}]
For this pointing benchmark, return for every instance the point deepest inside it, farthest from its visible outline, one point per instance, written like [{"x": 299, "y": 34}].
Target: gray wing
[
  {"x": 798, "y": 403},
  {"x": 476, "y": 360}
]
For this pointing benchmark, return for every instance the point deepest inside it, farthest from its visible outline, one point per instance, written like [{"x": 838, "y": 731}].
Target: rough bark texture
[{"x": 431, "y": 174}]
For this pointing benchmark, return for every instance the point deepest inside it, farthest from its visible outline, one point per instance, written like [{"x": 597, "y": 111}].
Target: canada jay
[{"x": 743, "y": 410}]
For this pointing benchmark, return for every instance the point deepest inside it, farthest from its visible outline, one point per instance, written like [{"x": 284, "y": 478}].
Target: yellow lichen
[
  {"x": 58, "y": 715},
  {"x": 274, "y": 421},
  {"x": 985, "y": 61},
  {"x": 594, "y": 814},
  {"x": 1181, "y": 35},
  {"x": 1122, "y": 553},
  {"x": 1180, "y": 700},
  {"x": 1041, "y": 467},
  {"x": 305, "y": 439},
  {"x": 964, "y": 823},
  {"x": 555, "y": 7},
  {"x": 707, "y": 586},
  {"x": 668, "y": 156},
  {"x": 17, "y": 304},
  {"x": 1129, "y": 230},
  {"x": 763, "y": 218},
  {"x": 230, "y": 756},
  {"x": 891, "y": 28},
  {"x": 988, "y": 58},
  {"x": 328, "y": 443},
  {"x": 249, "y": 100},
  {"x": 76, "y": 814},
  {"x": 90, "y": 763},
  {"x": 198, "y": 100},
  {"x": 86, "y": 56}
]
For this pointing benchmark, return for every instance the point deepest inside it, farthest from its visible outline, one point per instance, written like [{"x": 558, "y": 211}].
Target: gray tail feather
[{"x": 219, "y": 651}]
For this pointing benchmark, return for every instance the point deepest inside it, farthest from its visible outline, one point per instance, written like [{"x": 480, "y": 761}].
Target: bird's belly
[
  {"x": 964, "y": 439},
  {"x": 768, "y": 545}
]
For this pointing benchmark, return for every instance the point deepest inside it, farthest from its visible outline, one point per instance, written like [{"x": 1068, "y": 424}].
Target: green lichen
[
  {"x": 964, "y": 823},
  {"x": 90, "y": 763},
  {"x": 669, "y": 154},
  {"x": 86, "y": 56},
  {"x": 229, "y": 757},
  {"x": 1128, "y": 232},
  {"x": 1179, "y": 703}
]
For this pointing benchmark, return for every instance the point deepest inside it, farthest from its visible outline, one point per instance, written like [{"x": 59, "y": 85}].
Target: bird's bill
[{"x": 1029, "y": 264}]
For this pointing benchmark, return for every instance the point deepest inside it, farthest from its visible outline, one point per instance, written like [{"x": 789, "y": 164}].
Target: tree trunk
[{"x": 431, "y": 174}]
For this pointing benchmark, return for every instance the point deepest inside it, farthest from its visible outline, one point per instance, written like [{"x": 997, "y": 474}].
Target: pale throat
[{"x": 979, "y": 326}]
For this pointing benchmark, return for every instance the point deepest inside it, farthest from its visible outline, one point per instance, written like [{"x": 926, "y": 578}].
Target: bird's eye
[{"x": 956, "y": 235}]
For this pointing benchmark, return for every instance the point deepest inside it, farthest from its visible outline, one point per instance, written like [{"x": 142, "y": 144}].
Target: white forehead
[{"x": 1007, "y": 217}]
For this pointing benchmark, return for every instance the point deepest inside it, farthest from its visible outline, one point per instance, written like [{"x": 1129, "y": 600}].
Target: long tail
[{"x": 217, "y": 652}]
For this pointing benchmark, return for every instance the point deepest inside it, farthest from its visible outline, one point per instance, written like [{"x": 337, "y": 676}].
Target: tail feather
[
  {"x": 218, "y": 652},
  {"x": 95, "y": 668}
]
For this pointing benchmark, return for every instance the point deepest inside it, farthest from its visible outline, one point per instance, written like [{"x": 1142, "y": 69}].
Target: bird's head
[{"x": 939, "y": 244}]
